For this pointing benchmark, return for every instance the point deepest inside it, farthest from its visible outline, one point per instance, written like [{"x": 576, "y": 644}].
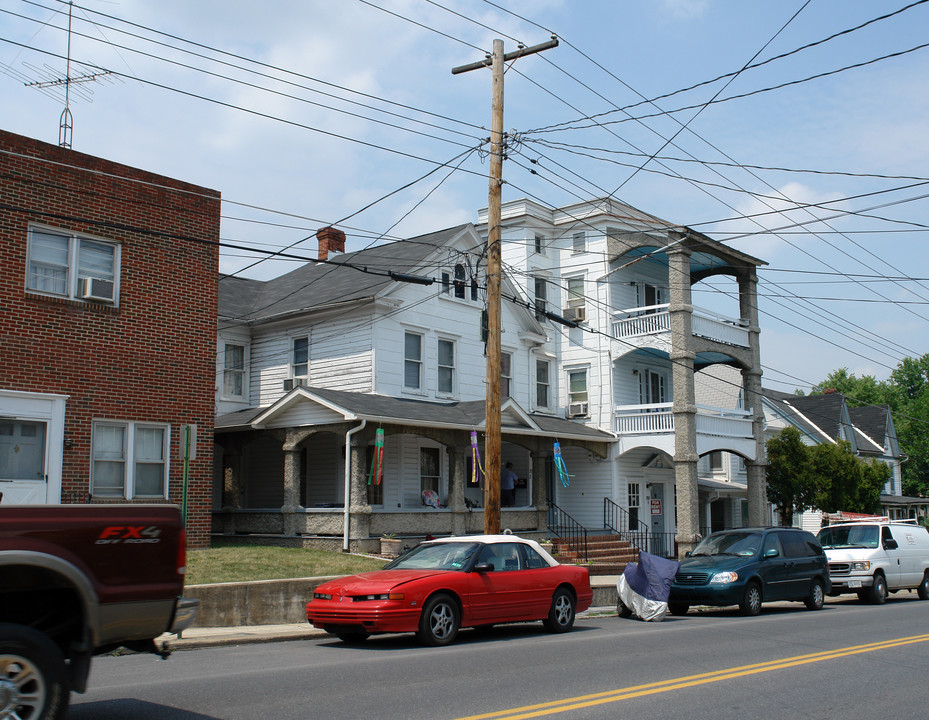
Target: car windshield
[
  {"x": 849, "y": 536},
  {"x": 729, "y": 544},
  {"x": 435, "y": 556}
]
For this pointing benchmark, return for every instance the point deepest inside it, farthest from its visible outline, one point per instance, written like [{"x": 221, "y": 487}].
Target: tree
[
  {"x": 865, "y": 390},
  {"x": 846, "y": 482},
  {"x": 789, "y": 484}
]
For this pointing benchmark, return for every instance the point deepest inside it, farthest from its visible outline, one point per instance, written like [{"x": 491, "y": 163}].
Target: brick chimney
[{"x": 331, "y": 240}]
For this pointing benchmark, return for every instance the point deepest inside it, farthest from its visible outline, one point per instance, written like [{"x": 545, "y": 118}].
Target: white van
[{"x": 877, "y": 557}]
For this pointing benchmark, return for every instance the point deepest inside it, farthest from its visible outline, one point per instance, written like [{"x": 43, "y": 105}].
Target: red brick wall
[{"x": 152, "y": 358}]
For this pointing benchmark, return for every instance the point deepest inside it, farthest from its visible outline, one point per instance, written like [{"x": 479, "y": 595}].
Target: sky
[{"x": 792, "y": 130}]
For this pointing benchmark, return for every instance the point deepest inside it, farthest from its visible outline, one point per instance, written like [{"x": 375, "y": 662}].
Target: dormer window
[{"x": 460, "y": 281}]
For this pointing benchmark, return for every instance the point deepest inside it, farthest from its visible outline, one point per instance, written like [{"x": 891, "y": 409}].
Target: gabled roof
[
  {"x": 316, "y": 285},
  {"x": 872, "y": 421},
  {"x": 350, "y": 406}
]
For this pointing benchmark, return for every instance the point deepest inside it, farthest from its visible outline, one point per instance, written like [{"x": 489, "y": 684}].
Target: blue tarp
[{"x": 644, "y": 586}]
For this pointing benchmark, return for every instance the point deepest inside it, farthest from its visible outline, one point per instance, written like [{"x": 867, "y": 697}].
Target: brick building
[{"x": 107, "y": 332}]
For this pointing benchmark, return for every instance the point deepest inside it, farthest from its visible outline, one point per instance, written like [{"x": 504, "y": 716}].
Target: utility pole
[{"x": 492, "y": 434}]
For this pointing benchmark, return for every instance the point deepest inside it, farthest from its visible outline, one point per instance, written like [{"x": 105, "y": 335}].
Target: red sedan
[{"x": 443, "y": 585}]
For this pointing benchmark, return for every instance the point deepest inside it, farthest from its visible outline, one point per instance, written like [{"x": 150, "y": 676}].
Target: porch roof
[
  {"x": 731, "y": 487},
  {"x": 468, "y": 415}
]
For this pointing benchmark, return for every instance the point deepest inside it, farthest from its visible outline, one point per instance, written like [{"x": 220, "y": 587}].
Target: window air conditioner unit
[
  {"x": 91, "y": 288},
  {"x": 577, "y": 410},
  {"x": 575, "y": 314},
  {"x": 291, "y": 383}
]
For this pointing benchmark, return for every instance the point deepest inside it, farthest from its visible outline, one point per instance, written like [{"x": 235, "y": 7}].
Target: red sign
[{"x": 656, "y": 506}]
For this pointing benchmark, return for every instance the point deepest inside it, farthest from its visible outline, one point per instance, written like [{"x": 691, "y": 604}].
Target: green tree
[
  {"x": 910, "y": 381},
  {"x": 845, "y": 481},
  {"x": 789, "y": 484},
  {"x": 858, "y": 391}
]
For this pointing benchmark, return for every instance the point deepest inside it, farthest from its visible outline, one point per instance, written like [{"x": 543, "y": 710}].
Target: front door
[
  {"x": 23, "y": 478},
  {"x": 656, "y": 511}
]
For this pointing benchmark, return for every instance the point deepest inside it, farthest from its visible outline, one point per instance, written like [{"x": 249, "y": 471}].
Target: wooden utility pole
[{"x": 492, "y": 434}]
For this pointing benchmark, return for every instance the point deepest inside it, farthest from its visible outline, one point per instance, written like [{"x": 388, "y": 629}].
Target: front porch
[{"x": 652, "y": 425}]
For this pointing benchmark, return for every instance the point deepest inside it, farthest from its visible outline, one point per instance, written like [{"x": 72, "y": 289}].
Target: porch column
[
  {"x": 232, "y": 489},
  {"x": 684, "y": 409},
  {"x": 292, "y": 500},
  {"x": 359, "y": 510},
  {"x": 456, "y": 489},
  {"x": 539, "y": 483},
  {"x": 751, "y": 384}
]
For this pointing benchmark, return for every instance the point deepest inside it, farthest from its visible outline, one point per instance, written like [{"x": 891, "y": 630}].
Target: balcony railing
[
  {"x": 655, "y": 319},
  {"x": 658, "y": 419}
]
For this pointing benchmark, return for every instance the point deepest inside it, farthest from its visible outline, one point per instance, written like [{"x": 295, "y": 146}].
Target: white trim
[{"x": 48, "y": 408}]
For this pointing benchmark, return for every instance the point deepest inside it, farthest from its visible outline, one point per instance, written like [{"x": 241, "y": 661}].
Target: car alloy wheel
[
  {"x": 751, "y": 601},
  {"x": 562, "y": 613},
  {"x": 817, "y": 596},
  {"x": 439, "y": 622}
]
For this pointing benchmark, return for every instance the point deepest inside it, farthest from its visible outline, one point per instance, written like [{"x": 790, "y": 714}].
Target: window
[
  {"x": 446, "y": 366},
  {"x": 716, "y": 461},
  {"x": 506, "y": 374},
  {"x": 576, "y": 291},
  {"x": 635, "y": 501},
  {"x": 234, "y": 370},
  {"x": 412, "y": 361},
  {"x": 577, "y": 386},
  {"x": 460, "y": 281},
  {"x": 542, "y": 383},
  {"x": 22, "y": 450},
  {"x": 539, "y": 246},
  {"x": 446, "y": 283},
  {"x": 429, "y": 466},
  {"x": 130, "y": 460},
  {"x": 579, "y": 242},
  {"x": 72, "y": 266},
  {"x": 541, "y": 292},
  {"x": 474, "y": 294},
  {"x": 300, "y": 357},
  {"x": 651, "y": 388}
]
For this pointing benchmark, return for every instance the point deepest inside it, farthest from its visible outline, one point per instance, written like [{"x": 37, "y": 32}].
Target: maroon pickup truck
[{"x": 77, "y": 581}]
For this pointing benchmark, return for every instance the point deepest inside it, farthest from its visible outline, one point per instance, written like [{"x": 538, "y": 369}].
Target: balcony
[
  {"x": 653, "y": 426},
  {"x": 638, "y": 326}
]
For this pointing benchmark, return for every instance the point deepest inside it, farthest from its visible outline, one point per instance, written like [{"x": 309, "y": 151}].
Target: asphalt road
[{"x": 847, "y": 660}]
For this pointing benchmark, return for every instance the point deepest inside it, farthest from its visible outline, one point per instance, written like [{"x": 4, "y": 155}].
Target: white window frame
[
  {"x": 129, "y": 458},
  {"x": 506, "y": 374},
  {"x": 71, "y": 264},
  {"x": 295, "y": 366},
  {"x": 547, "y": 384},
  {"x": 418, "y": 388},
  {"x": 573, "y": 297},
  {"x": 539, "y": 242},
  {"x": 226, "y": 370},
  {"x": 634, "y": 502},
  {"x": 650, "y": 381},
  {"x": 452, "y": 374},
  {"x": 574, "y": 396},
  {"x": 579, "y": 242},
  {"x": 540, "y": 299}
]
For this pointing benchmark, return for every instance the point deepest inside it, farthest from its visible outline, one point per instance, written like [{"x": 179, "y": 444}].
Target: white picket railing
[
  {"x": 658, "y": 419},
  {"x": 655, "y": 319}
]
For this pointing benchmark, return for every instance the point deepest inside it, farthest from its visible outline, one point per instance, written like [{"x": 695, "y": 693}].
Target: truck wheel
[
  {"x": 923, "y": 588},
  {"x": 33, "y": 675},
  {"x": 878, "y": 590}
]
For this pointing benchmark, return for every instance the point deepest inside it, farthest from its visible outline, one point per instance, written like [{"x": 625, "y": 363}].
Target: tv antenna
[{"x": 61, "y": 88}]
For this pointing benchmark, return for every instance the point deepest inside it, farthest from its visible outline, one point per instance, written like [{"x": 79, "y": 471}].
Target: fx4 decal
[{"x": 129, "y": 534}]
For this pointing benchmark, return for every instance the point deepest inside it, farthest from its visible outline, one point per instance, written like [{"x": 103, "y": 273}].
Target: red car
[{"x": 443, "y": 585}]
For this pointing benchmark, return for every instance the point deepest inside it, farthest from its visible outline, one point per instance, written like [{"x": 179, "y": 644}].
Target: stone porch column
[
  {"x": 233, "y": 491},
  {"x": 751, "y": 384},
  {"x": 359, "y": 510},
  {"x": 539, "y": 487},
  {"x": 457, "y": 477},
  {"x": 684, "y": 402},
  {"x": 292, "y": 501}
]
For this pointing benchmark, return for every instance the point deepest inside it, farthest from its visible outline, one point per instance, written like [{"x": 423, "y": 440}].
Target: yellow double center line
[{"x": 583, "y": 701}]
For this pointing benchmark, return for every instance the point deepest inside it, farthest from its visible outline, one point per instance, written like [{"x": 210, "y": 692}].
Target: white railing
[
  {"x": 655, "y": 319},
  {"x": 649, "y": 320},
  {"x": 724, "y": 423},
  {"x": 658, "y": 419},
  {"x": 720, "y": 328}
]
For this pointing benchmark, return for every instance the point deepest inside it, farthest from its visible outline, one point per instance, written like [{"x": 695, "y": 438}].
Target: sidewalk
[{"x": 194, "y": 638}]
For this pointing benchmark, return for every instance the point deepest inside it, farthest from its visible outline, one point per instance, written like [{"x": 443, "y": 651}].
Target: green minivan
[{"x": 749, "y": 566}]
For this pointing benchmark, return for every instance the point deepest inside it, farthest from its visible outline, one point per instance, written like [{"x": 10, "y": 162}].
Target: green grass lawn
[{"x": 243, "y": 563}]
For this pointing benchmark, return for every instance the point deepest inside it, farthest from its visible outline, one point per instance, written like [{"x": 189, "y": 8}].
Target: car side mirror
[
  {"x": 771, "y": 553},
  {"x": 688, "y": 553},
  {"x": 890, "y": 544},
  {"x": 484, "y": 567}
]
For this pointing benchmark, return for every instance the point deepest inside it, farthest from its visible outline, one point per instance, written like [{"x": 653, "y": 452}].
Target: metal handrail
[
  {"x": 565, "y": 527},
  {"x": 618, "y": 520}
]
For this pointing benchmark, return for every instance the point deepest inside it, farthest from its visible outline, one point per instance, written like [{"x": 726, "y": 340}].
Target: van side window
[
  {"x": 771, "y": 543},
  {"x": 796, "y": 544},
  {"x": 886, "y": 535}
]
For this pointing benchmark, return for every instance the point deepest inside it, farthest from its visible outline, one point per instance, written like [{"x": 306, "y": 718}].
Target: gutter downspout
[{"x": 348, "y": 482}]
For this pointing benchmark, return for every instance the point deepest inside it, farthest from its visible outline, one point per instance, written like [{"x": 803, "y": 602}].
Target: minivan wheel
[
  {"x": 751, "y": 601},
  {"x": 878, "y": 590},
  {"x": 817, "y": 596},
  {"x": 923, "y": 588}
]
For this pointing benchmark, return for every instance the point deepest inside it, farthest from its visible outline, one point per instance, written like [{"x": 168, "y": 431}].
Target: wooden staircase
[{"x": 606, "y": 554}]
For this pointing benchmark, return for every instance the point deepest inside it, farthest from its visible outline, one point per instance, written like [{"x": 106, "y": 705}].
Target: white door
[{"x": 23, "y": 476}]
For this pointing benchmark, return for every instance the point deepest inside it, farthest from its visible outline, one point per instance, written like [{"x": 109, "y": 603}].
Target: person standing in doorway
[{"x": 508, "y": 486}]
